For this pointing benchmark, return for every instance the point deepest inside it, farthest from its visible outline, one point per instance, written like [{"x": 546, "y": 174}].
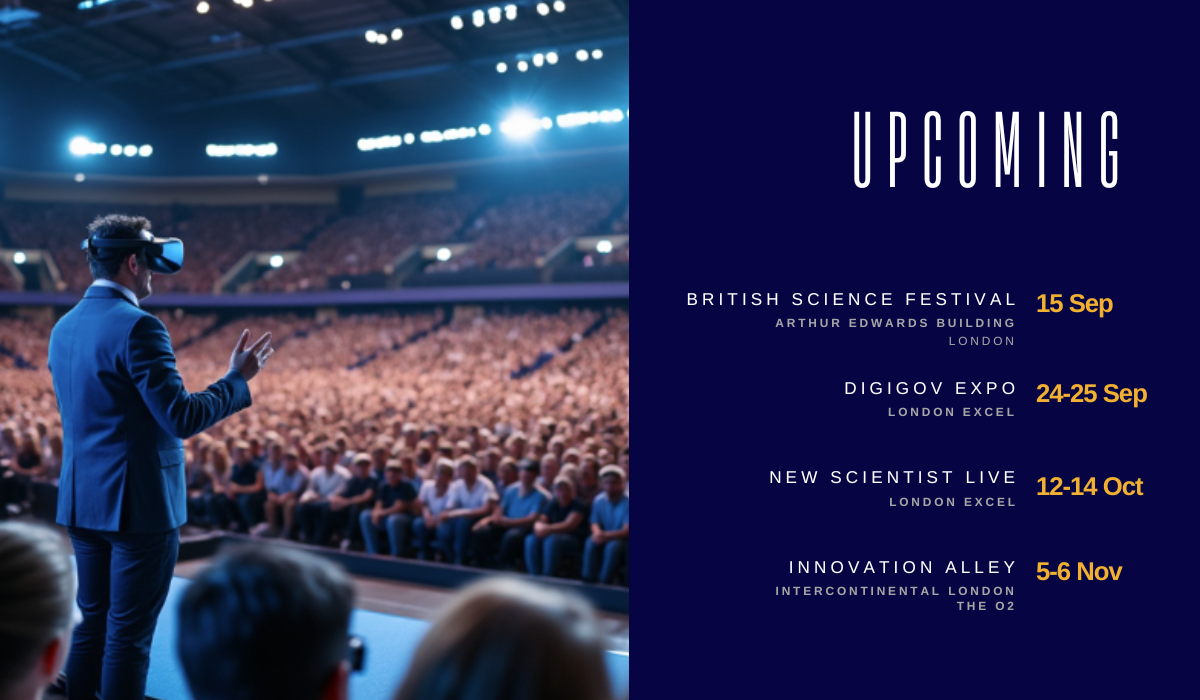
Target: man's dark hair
[
  {"x": 264, "y": 624},
  {"x": 107, "y": 263}
]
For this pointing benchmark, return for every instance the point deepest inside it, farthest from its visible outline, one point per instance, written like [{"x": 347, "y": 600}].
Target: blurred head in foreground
[
  {"x": 37, "y": 609},
  {"x": 267, "y": 623},
  {"x": 506, "y": 638}
]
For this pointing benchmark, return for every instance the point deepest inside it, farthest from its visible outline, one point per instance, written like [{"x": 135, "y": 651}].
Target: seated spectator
[
  {"x": 558, "y": 532},
  {"x": 549, "y": 471},
  {"x": 392, "y": 514},
  {"x": 267, "y": 623},
  {"x": 273, "y": 462},
  {"x": 471, "y": 499},
  {"x": 37, "y": 609},
  {"x": 504, "y": 638},
  {"x": 503, "y": 532},
  {"x": 345, "y": 506},
  {"x": 325, "y": 481},
  {"x": 212, "y": 505},
  {"x": 246, "y": 487},
  {"x": 507, "y": 473},
  {"x": 285, "y": 485},
  {"x": 608, "y": 546},
  {"x": 431, "y": 504}
]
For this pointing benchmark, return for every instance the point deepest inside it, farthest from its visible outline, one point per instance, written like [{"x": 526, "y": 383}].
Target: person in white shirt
[
  {"x": 432, "y": 503},
  {"x": 324, "y": 481},
  {"x": 471, "y": 498}
]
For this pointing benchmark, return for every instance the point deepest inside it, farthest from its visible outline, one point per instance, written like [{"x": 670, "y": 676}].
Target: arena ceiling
[{"x": 306, "y": 57}]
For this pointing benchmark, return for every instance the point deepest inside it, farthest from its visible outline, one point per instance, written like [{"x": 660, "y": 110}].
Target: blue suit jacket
[{"x": 125, "y": 415}]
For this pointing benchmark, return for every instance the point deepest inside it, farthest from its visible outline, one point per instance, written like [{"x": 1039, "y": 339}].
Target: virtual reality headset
[{"x": 163, "y": 255}]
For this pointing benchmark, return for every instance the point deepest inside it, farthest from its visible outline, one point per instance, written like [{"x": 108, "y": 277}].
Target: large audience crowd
[
  {"x": 515, "y": 231},
  {"x": 404, "y": 435},
  {"x": 371, "y": 239},
  {"x": 522, "y": 229}
]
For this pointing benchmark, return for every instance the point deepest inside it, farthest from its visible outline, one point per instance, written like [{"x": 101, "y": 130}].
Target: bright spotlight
[
  {"x": 581, "y": 54},
  {"x": 494, "y": 14},
  {"x": 478, "y": 18},
  {"x": 131, "y": 151},
  {"x": 560, "y": 6},
  {"x": 397, "y": 34},
  {"x": 80, "y": 177},
  {"x": 115, "y": 150},
  {"x": 443, "y": 254},
  {"x": 510, "y": 12},
  {"x": 538, "y": 59},
  {"x": 543, "y": 9},
  {"x": 485, "y": 129},
  {"x": 604, "y": 246},
  {"x": 381, "y": 39},
  {"x": 522, "y": 66},
  {"x": 19, "y": 257},
  {"x": 456, "y": 22},
  {"x": 80, "y": 146},
  {"x": 597, "y": 54},
  {"x": 146, "y": 151},
  {"x": 277, "y": 261},
  {"x": 552, "y": 58},
  {"x": 501, "y": 67},
  {"x": 202, "y": 8},
  {"x": 372, "y": 35},
  {"x": 521, "y": 124},
  {"x": 410, "y": 139}
]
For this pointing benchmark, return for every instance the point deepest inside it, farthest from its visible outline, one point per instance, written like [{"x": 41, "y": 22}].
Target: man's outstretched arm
[{"x": 183, "y": 414}]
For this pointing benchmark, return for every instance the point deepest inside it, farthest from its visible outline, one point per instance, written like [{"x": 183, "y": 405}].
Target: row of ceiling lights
[
  {"x": 203, "y": 7},
  {"x": 550, "y": 58}
]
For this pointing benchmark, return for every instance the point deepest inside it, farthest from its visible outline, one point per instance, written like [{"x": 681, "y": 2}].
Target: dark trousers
[
  {"x": 318, "y": 521},
  {"x": 455, "y": 536},
  {"x": 123, "y": 581},
  {"x": 499, "y": 547}
]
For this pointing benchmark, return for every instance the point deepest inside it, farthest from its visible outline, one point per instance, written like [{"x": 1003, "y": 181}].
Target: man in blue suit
[{"x": 125, "y": 414}]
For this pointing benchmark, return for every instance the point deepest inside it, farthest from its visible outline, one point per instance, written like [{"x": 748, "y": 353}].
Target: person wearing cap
[
  {"x": 392, "y": 514},
  {"x": 324, "y": 482},
  {"x": 502, "y": 534},
  {"x": 345, "y": 506},
  {"x": 379, "y": 460},
  {"x": 471, "y": 499},
  {"x": 125, "y": 412},
  {"x": 284, "y": 487},
  {"x": 432, "y": 502},
  {"x": 608, "y": 547},
  {"x": 559, "y": 531},
  {"x": 246, "y": 487}
]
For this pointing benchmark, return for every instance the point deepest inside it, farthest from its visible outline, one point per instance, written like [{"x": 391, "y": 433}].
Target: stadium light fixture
[
  {"x": 522, "y": 66},
  {"x": 146, "y": 151},
  {"x": 501, "y": 67},
  {"x": 83, "y": 146},
  {"x": 574, "y": 119},
  {"x": 604, "y": 247},
  {"x": 372, "y": 35},
  {"x": 543, "y": 9},
  {"x": 131, "y": 151},
  {"x": 538, "y": 59},
  {"x": 494, "y": 14},
  {"x": 478, "y": 18},
  {"x": 510, "y": 12},
  {"x": 276, "y": 261},
  {"x": 456, "y": 22},
  {"x": 560, "y": 6},
  {"x": 552, "y": 58},
  {"x": 202, "y": 8},
  {"x": 520, "y": 124},
  {"x": 397, "y": 34},
  {"x": 581, "y": 55},
  {"x": 242, "y": 150},
  {"x": 115, "y": 150},
  {"x": 19, "y": 257},
  {"x": 485, "y": 130},
  {"x": 443, "y": 254},
  {"x": 597, "y": 54}
]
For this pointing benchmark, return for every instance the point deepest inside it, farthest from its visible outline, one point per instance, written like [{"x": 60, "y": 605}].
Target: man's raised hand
[{"x": 248, "y": 361}]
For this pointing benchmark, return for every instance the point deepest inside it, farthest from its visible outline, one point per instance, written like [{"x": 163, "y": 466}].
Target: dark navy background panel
[{"x": 745, "y": 168}]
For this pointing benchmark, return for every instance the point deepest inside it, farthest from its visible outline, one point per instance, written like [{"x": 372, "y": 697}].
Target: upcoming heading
[{"x": 1007, "y": 147}]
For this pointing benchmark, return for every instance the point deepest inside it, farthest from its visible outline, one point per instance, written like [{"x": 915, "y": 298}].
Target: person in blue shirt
[
  {"x": 502, "y": 534},
  {"x": 608, "y": 547},
  {"x": 392, "y": 514},
  {"x": 558, "y": 532},
  {"x": 284, "y": 486}
]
